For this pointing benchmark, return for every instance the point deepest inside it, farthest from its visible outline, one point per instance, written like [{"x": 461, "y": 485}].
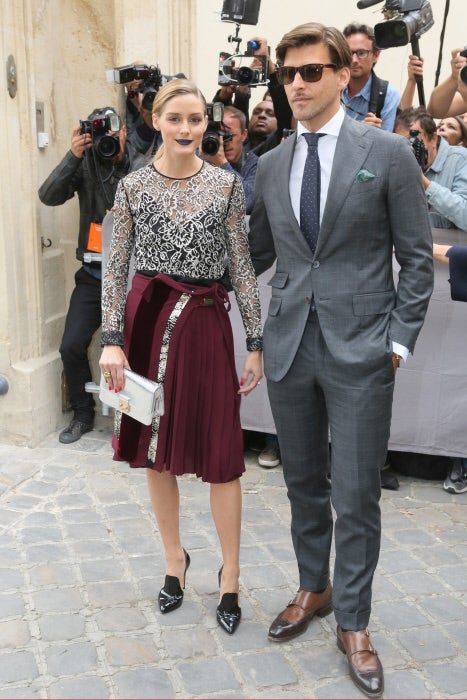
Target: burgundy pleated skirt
[{"x": 180, "y": 334}]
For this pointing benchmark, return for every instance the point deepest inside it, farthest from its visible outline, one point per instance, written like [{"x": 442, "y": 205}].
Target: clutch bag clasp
[{"x": 124, "y": 404}]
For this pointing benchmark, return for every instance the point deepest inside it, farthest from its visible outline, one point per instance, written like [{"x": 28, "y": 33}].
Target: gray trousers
[{"x": 354, "y": 402}]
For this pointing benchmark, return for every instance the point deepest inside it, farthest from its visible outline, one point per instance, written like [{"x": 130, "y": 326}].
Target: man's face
[
  {"x": 361, "y": 66},
  {"x": 313, "y": 104},
  {"x": 263, "y": 120},
  {"x": 431, "y": 142},
  {"x": 233, "y": 148}
]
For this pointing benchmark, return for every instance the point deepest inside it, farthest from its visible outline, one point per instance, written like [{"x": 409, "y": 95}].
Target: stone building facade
[{"x": 54, "y": 55}]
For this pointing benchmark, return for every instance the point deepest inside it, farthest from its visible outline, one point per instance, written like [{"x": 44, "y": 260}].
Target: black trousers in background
[{"x": 82, "y": 321}]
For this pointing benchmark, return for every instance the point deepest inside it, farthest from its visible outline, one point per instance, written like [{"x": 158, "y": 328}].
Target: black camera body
[
  {"x": 407, "y": 21},
  {"x": 240, "y": 11},
  {"x": 98, "y": 126},
  {"x": 419, "y": 148},
  {"x": 231, "y": 73},
  {"x": 151, "y": 80},
  {"x": 211, "y": 138},
  {"x": 463, "y": 73}
]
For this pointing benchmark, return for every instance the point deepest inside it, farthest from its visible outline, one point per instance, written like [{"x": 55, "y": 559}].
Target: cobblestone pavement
[{"x": 81, "y": 565}]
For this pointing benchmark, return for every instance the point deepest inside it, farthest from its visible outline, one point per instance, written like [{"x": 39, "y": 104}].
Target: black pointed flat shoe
[
  {"x": 171, "y": 595},
  {"x": 228, "y": 612}
]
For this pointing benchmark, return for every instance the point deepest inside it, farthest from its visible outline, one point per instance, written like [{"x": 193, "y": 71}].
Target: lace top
[{"x": 180, "y": 227}]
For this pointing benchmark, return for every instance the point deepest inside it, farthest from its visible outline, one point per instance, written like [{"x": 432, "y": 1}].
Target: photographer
[
  {"x": 367, "y": 98},
  {"x": 230, "y": 154},
  {"x": 444, "y": 173},
  {"x": 92, "y": 168},
  {"x": 450, "y": 97},
  {"x": 141, "y": 88}
]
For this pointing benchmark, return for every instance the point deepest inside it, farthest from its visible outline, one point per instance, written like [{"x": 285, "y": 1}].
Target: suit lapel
[{"x": 352, "y": 149}]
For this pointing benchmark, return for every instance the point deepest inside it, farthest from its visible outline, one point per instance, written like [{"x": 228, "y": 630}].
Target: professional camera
[
  {"x": 211, "y": 139},
  {"x": 407, "y": 21},
  {"x": 98, "y": 125},
  {"x": 150, "y": 76},
  {"x": 419, "y": 149},
  {"x": 232, "y": 68},
  {"x": 463, "y": 73}
]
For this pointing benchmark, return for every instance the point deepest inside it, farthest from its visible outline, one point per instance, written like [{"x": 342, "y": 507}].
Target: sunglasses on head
[{"x": 310, "y": 72}]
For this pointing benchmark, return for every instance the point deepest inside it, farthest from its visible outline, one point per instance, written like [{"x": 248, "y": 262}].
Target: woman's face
[
  {"x": 450, "y": 130},
  {"x": 182, "y": 123}
]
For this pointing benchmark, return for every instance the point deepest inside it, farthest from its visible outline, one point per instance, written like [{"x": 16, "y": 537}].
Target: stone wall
[{"x": 61, "y": 50}]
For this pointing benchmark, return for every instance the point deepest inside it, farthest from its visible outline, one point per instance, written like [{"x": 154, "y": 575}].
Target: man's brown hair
[{"x": 315, "y": 33}]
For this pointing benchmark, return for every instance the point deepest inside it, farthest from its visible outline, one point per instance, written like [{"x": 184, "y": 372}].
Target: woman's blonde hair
[{"x": 175, "y": 88}]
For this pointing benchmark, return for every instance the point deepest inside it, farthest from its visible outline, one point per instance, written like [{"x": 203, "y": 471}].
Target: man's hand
[
  {"x": 218, "y": 158},
  {"x": 122, "y": 140},
  {"x": 439, "y": 252},
  {"x": 262, "y": 50},
  {"x": 79, "y": 142},
  {"x": 373, "y": 120},
  {"x": 415, "y": 67},
  {"x": 457, "y": 63},
  {"x": 396, "y": 360}
]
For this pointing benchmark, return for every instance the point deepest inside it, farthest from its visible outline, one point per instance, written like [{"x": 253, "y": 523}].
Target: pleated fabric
[{"x": 200, "y": 431}]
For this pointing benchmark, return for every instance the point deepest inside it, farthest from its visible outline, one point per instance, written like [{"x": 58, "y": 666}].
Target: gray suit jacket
[{"x": 351, "y": 275}]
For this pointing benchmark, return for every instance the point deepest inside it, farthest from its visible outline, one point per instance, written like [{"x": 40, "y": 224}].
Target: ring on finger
[{"x": 107, "y": 374}]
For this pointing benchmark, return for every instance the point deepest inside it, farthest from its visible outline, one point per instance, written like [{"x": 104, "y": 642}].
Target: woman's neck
[{"x": 178, "y": 167}]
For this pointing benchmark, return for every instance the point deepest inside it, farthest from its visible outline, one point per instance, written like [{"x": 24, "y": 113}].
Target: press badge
[{"x": 95, "y": 237}]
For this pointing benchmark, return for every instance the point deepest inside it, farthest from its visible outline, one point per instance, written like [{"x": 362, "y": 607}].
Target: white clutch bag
[{"x": 141, "y": 398}]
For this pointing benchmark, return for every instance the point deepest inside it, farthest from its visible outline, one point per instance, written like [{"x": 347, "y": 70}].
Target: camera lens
[
  {"x": 244, "y": 75},
  {"x": 108, "y": 146},
  {"x": 210, "y": 143},
  {"x": 148, "y": 98},
  {"x": 463, "y": 75}
]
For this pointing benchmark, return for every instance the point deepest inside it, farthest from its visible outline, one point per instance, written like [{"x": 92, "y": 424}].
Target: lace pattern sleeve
[
  {"x": 241, "y": 268},
  {"x": 115, "y": 281}
]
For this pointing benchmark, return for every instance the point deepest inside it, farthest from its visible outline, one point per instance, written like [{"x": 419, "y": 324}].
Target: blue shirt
[
  {"x": 447, "y": 191},
  {"x": 358, "y": 106}
]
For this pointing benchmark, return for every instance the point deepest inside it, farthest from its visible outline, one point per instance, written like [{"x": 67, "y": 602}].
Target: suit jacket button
[{"x": 315, "y": 263}]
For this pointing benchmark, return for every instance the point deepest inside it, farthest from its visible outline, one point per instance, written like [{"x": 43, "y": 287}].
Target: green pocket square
[{"x": 363, "y": 176}]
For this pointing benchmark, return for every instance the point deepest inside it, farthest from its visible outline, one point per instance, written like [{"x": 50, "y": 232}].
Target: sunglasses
[{"x": 310, "y": 72}]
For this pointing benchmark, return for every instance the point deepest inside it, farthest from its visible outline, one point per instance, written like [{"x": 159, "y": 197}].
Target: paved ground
[{"x": 81, "y": 565}]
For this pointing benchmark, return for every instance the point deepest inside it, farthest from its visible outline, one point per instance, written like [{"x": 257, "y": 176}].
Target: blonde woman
[{"x": 181, "y": 217}]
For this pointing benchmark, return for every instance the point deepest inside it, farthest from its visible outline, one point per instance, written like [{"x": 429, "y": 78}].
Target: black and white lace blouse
[{"x": 180, "y": 227}]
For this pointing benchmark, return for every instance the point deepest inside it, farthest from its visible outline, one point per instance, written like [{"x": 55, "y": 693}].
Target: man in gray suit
[{"x": 336, "y": 331}]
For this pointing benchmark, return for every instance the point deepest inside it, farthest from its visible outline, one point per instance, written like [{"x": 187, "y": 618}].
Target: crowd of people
[{"x": 338, "y": 325}]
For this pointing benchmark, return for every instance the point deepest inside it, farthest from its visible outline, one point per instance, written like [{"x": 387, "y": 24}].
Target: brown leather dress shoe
[
  {"x": 365, "y": 667},
  {"x": 298, "y": 614}
]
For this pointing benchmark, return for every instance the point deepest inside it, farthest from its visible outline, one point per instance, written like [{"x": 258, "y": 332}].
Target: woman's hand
[
  {"x": 112, "y": 362},
  {"x": 252, "y": 372}
]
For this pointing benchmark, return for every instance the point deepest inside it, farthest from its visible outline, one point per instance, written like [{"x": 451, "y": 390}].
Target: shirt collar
[{"x": 365, "y": 92}]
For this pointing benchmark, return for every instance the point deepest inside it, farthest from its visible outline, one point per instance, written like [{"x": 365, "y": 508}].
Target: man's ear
[
  {"x": 343, "y": 77},
  {"x": 376, "y": 54}
]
